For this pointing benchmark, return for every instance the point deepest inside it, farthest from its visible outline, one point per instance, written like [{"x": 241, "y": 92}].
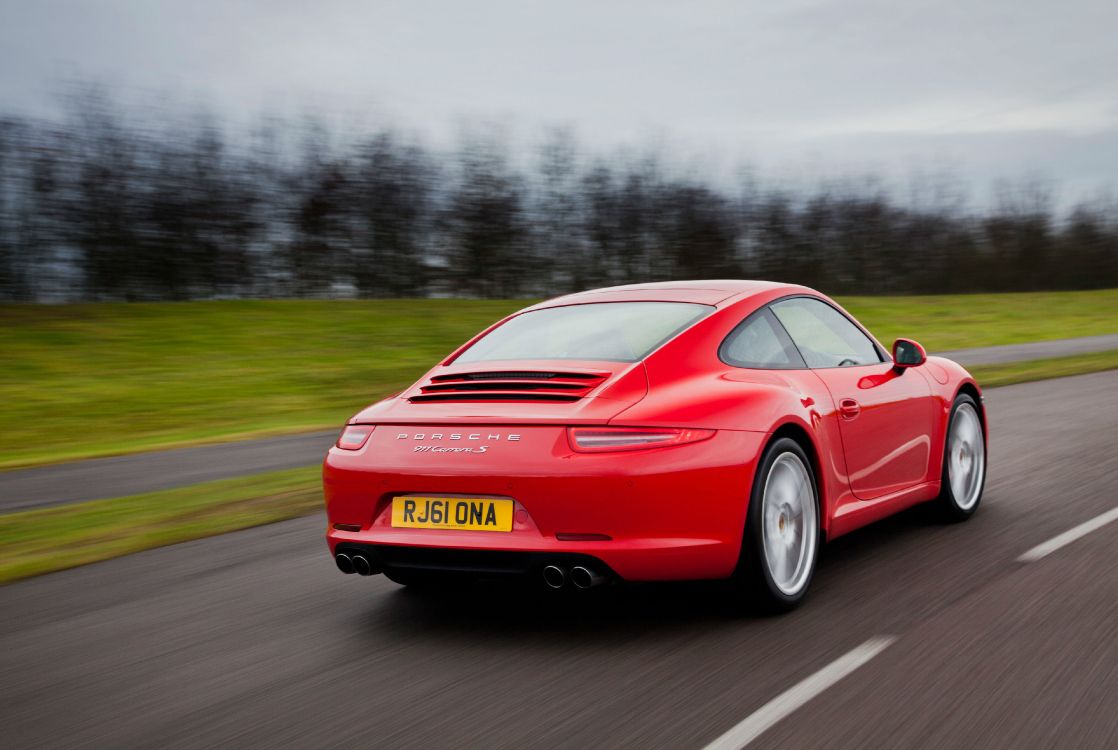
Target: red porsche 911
[{"x": 688, "y": 430}]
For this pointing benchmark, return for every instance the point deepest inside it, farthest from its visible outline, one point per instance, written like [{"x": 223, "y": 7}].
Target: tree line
[{"x": 97, "y": 204}]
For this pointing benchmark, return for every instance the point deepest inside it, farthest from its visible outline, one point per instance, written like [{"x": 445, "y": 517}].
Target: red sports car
[{"x": 685, "y": 430}]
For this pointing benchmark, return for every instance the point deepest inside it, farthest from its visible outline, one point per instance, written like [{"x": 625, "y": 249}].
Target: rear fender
[{"x": 771, "y": 402}]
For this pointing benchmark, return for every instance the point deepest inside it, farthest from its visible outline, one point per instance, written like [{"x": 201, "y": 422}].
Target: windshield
[{"x": 616, "y": 331}]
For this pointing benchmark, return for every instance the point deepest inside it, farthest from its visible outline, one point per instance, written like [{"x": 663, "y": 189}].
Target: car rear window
[{"x": 613, "y": 331}]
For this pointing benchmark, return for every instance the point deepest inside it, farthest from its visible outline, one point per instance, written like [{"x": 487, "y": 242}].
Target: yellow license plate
[{"x": 466, "y": 513}]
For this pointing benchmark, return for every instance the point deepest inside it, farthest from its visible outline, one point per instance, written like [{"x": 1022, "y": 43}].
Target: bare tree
[
  {"x": 485, "y": 236},
  {"x": 103, "y": 204},
  {"x": 393, "y": 187}
]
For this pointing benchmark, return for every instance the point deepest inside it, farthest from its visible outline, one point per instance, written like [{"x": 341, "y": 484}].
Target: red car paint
[{"x": 876, "y": 436}]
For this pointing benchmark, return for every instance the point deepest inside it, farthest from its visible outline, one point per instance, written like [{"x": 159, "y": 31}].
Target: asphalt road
[
  {"x": 253, "y": 639},
  {"x": 118, "y": 476},
  {"x": 997, "y": 355}
]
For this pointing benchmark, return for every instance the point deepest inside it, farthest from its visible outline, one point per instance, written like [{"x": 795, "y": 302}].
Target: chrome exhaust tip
[
  {"x": 585, "y": 578},
  {"x": 344, "y": 563},
  {"x": 554, "y": 577},
  {"x": 362, "y": 566}
]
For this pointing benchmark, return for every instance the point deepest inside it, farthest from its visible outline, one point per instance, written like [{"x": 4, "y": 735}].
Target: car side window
[
  {"x": 760, "y": 343},
  {"x": 824, "y": 336}
]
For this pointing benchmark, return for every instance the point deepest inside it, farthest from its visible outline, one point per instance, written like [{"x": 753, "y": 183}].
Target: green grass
[
  {"x": 34, "y": 540},
  {"x": 95, "y": 379},
  {"x": 962, "y": 321},
  {"x": 85, "y": 380},
  {"x": 991, "y": 376}
]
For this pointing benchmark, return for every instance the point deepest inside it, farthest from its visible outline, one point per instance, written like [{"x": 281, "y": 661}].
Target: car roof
[{"x": 707, "y": 292}]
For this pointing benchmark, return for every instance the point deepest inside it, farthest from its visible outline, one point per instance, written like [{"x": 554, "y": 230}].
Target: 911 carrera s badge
[{"x": 450, "y": 449}]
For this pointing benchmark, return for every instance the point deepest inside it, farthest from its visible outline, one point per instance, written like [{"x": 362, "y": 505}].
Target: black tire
[
  {"x": 754, "y": 581},
  {"x": 950, "y": 507}
]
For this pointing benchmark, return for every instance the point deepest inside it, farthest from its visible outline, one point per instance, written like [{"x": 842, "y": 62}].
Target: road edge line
[
  {"x": 1059, "y": 541},
  {"x": 765, "y": 717}
]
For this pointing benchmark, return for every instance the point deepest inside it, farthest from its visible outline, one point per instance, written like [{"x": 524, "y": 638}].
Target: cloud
[{"x": 774, "y": 79}]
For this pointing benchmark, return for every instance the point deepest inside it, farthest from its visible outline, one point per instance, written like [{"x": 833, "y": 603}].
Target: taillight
[
  {"x": 604, "y": 439},
  {"x": 353, "y": 437}
]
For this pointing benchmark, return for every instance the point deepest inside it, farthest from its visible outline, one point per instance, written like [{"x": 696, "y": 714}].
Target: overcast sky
[{"x": 998, "y": 88}]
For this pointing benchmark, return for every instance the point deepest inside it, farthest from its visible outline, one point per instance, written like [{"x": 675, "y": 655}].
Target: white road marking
[
  {"x": 791, "y": 699},
  {"x": 1069, "y": 536}
]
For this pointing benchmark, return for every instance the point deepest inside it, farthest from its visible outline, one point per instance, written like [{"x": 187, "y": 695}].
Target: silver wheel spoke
[
  {"x": 780, "y": 566},
  {"x": 966, "y": 456},
  {"x": 792, "y": 554},
  {"x": 789, "y": 523}
]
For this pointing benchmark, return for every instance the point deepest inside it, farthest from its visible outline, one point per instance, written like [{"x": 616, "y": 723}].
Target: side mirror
[{"x": 907, "y": 353}]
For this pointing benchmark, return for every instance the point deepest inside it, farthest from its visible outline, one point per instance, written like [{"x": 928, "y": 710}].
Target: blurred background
[
  {"x": 227, "y": 226},
  {"x": 427, "y": 149}
]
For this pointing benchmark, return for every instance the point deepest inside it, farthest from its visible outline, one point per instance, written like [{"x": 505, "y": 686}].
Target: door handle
[{"x": 849, "y": 408}]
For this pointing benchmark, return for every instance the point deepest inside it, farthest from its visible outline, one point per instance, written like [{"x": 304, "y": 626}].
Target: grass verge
[
  {"x": 96, "y": 379},
  {"x": 991, "y": 376},
  {"x": 103, "y": 529}
]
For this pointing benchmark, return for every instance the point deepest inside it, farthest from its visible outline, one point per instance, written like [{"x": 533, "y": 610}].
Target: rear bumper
[
  {"x": 483, "y": 563},
  {"x": 665, "y": 514}
]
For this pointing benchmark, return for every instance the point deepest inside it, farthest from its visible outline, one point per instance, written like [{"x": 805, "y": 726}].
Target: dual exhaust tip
[
  {"x": 555, "y": 577},
  {"x": 355, "y": 563},
  {"x": 581, "y": 577}
]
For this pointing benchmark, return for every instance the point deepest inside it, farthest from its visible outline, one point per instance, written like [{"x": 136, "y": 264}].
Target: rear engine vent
[
  {"x": 512, "y": 385},
  {"x": 519, "y": 375}
]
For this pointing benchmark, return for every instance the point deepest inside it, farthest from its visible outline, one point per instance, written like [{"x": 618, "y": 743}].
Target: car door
[{"x": 885, "y": 415}]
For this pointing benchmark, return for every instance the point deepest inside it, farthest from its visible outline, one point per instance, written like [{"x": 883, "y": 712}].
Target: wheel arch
[
  {"x": 970, "y": 388},
  {"x": 947, "y": 399},
  {"x": 801, "y": 435}
]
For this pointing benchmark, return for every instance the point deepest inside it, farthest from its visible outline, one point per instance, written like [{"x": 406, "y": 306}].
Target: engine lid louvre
[{"x": 510, "y": 385}]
